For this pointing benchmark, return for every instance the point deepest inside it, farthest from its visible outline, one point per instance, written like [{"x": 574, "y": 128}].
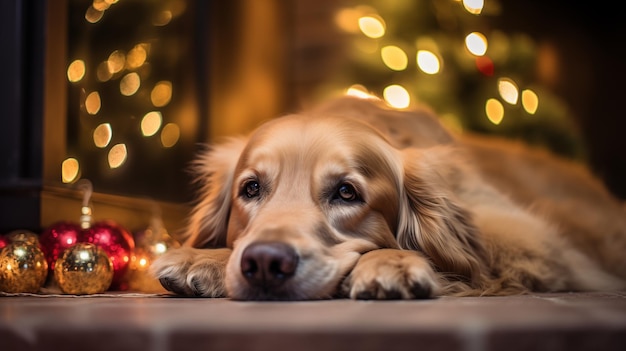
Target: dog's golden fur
[{"x": 353, "y": 199}]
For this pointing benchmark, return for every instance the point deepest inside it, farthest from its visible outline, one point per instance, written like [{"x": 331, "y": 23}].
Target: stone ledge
[{"x": 568, "y": 321}]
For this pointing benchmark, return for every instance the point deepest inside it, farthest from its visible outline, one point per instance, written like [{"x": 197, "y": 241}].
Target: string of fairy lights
[
  {"x": 365, "y": 20},
  {"x": 129, "y": 68}
]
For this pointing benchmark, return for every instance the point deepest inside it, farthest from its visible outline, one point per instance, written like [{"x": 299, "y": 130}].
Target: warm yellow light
[
  {"x": 117, "y": 155},
  {"x": 359, "y": 91},
  {"x": 70, "y": 169},
  {"x": 170, "y": 135},
  {"x": 93, "y": 103},
  {"x": 100, "y": 5},
  {"x": 136, "y": 56},
  {"x": 143, "y": 262},
  {"x": 102, "y": 72},
  {"x": 162, "y": 18},
  {"x": 508, "y": 90},
  {"x": 348, "y": 19},
  {"x": 102, "y": 135},
  {"x": 161, "y": 93},
  {"x": 428, "y": 62},
  {"x": 160, "y": 248},
  {"x": 151, "y": 123},
  {"x": 93, "y": 15},
  {"x": 394, "y": 58},
  {"x": 530, "y": 101},
  {"x": 116, "y": 61},
  {"x": 476, "y": 43},
  {"x": 130, "y": 84},
  {"x": 474, "y": 7},
  {"x": 76, "y": 71},
  {"x": 372, "y": 27},
  {"x": 84, "y": 255},
  {"x": 494, "y": 111},
  {"x": 397, "y": 96}
]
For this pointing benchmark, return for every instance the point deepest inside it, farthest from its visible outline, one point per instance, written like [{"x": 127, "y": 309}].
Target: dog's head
[{"x": 304, "y": 196}]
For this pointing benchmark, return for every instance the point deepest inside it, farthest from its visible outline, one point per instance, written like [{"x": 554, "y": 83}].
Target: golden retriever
[{"x": 357, "y": 200}]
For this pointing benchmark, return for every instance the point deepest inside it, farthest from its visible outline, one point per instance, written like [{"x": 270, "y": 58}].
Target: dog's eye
[
  {"x": 251, "y": 188},
  {"x": 346, "y": 192}
]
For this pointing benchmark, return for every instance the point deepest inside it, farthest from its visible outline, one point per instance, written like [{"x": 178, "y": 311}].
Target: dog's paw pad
[
  {"x": 421, "y": 291},
  {"x": 170, "y": 285},
  {"x": 375, "y": 291}
]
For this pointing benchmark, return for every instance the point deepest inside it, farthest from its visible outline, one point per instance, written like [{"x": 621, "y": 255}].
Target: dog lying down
[{"x": 356, "y": 200}]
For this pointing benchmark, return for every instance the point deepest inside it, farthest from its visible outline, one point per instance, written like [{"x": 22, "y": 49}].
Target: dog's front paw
[
  {"x": 391, "y": 274},
  {"x": 193, "y": 272}
]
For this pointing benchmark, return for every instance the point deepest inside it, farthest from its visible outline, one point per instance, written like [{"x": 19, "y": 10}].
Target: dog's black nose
[{"x": 268, "y": 264}]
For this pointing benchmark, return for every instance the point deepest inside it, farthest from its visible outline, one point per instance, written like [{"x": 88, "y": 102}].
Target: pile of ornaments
[{"x": 82, "y": 259}]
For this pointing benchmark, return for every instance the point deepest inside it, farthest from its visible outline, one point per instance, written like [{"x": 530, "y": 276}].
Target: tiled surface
[{"x": 591, "y": 321}]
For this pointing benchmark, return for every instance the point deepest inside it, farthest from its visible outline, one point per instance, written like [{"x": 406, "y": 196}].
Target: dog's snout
[{"x": 268, "y": 264}]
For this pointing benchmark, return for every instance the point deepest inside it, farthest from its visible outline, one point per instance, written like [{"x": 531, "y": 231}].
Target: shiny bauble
[
  {"x": 83, "y": 269},
  {"x": 118, "y": 244},
  {"x": 22, "y": 235},
  {"x": 57, "y": 238},
  {"x": 150, "y": 243},
  {"x": 23, "y": 268}
]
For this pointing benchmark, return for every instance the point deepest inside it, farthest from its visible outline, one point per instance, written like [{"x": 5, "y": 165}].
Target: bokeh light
[
  {"x": 359, "y": 91},
  {"x": 397, "y": 96},
  {"x": 372, "y": 27},
  {"x": 150, "y": 123},
  {"x": 494, "y": 111},
  {"x": 102, "y": 72},
  {"x": 76, "y": 71},
  {"x": 117, "y": 155},
  {"x": 474, "y": 7},
  {"x": 476, "y": 43},
  {"x": 130, "y": 84},
  {"x": 428, "y": 62},
  {"x": 170, "y": 135},
  {"x": 530, "y": 101},
  {"x": 348, "y": 19},
  {"x": 116, "y": 61},
  {"x": 102, "y": 135},
  {"x": 162, "y": 18},
  {"x": 93, "y": 103},
  {"x": 508, "y": 90},
  {"x": 93, "y": 15},
  {"x": 394, "y": 58},
  {"x": 161, "y": 93},
  {"x": 136, "y": 56},
  {"x": 70, "y": 170}
]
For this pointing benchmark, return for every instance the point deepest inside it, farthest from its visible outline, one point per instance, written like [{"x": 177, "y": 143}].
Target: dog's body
[{"x": 357, "y": 200}]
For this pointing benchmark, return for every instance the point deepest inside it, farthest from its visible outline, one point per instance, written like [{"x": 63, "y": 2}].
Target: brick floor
[{"x": 570, "y": 321}]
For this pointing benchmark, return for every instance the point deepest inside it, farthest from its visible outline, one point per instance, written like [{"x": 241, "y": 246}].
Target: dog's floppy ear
[
  {"x": 214, "y": 171},
  {"x": 432, "y": 220}
]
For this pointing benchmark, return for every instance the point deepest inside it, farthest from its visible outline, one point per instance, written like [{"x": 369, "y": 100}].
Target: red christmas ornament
[
  {"x": 117, "y": 242},
  {"x": 4, "y": 241},
  {"x": 114, "y": 240},
  {"x": 57, "y": 238}
]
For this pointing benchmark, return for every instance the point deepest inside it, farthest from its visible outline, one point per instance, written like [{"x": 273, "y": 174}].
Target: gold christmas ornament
[
  {"x": 23, "y": 268},
  {"x": 150, "y": 243},
  {"x": 83, "y": 269},
  {"x": 22, "y": 235}
]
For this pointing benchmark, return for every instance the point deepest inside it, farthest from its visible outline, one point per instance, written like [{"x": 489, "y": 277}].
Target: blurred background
[{"x": 123, "y": 92}]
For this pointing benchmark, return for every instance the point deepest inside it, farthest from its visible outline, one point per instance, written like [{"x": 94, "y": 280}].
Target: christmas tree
[{"x": 447, "y": 55}]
